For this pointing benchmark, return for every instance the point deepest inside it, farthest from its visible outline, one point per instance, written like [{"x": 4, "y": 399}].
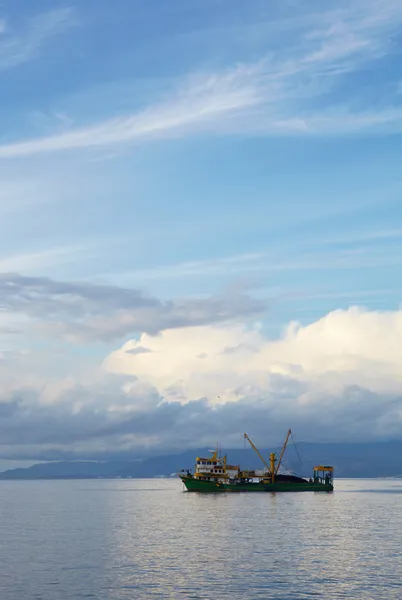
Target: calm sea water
[{"x": 133, "y": 539}]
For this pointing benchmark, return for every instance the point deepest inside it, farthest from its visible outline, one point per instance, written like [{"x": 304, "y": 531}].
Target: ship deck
[{"x": 197, "y": 485}]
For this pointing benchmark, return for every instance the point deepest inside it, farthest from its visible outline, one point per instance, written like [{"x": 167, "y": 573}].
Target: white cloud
[
  {"x": 215, "y": 266},
  {"x": 300, "y": 255},
  {"x": 18, "y": 47},
  {"x": 338, "y": 378},
  {"x": 364, "y": 236},
  {"x": 341, "y": 121},
  {"x": 353, "y": 347},
  {"x": 201, "y": 101},
  {"x": 43, "y": 260},
  {"x": 266, "y": 97}
]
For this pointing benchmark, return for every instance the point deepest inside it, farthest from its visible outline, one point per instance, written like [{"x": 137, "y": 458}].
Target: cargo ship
[{"x": 214, "y": 474}]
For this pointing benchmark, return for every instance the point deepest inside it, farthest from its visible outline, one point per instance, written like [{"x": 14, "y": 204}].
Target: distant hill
[{"x": 380, "y": 459}]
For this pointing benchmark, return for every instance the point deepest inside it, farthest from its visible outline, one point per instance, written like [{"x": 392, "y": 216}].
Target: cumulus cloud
[
  {"x": 345, "y": 348},
  {"x": 337, "y": 379}
]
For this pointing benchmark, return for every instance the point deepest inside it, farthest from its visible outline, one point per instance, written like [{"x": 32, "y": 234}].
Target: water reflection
[{"x": 147, "y": 539}]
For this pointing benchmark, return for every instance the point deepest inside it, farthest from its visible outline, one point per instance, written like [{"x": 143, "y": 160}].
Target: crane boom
[
  {"x": 256, "y": 451},
  {"x": 283, "y": 451}
]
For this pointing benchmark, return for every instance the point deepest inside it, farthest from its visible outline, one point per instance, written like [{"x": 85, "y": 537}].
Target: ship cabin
[
  {"x": 323, "y": 474},
  {"x": 214, "y": 468}
]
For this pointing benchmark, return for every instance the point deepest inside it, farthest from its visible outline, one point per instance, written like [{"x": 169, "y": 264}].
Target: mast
[
  {"x": 272, "y": 469},
  {"x": 215, "y": 453},
  {"x": 256, "y": 451},
  {"x": 283, "y": 451}
]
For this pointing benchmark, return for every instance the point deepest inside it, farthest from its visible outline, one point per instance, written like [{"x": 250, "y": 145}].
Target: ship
[{"x": 214, "y": 474}]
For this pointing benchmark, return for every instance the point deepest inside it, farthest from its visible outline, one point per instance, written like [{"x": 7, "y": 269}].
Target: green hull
[{"x": 197, "y": 485}]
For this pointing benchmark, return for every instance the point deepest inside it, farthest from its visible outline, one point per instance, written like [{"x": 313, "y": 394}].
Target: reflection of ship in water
[{"x": 214, "y": 474}]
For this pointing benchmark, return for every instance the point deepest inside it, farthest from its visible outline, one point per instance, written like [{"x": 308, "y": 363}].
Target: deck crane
[
  {"x": 273, "y": 467},
  {"x": 256, "y": 451},
  {"x": 289, "y": 433}
]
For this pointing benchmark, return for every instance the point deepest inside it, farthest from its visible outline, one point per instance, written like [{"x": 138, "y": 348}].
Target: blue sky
[
  {"x": 194, "y": 151},
  {"x": 293, "y": 176}
]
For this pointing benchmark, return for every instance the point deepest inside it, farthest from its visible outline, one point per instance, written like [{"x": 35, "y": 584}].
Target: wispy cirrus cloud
[
  {"x": 18, "y": 46},
  {"x": 276, "y": 95},
  {"x": 344, "y": 251},
  {"x": 38, "y": 260},
  {"x": 201, "y": 101}
]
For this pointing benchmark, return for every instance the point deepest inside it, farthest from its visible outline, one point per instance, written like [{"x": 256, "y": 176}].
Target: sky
[{"x": 201, "y": 224}]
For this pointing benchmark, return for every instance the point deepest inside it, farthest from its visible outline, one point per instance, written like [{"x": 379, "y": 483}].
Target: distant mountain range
[{"x": 379, "y": 459}]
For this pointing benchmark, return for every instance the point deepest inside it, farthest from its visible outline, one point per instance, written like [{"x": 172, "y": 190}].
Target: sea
[{"x": 134, "y": 539}]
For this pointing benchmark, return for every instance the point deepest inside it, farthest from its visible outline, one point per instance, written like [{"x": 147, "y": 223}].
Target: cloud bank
[{"x": 337, "y": 379}]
